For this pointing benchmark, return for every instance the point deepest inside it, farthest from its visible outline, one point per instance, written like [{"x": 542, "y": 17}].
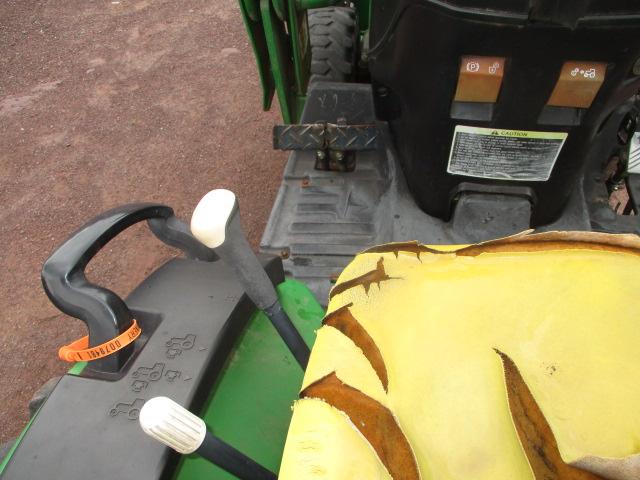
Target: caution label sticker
[{"x": 500, "y": 154}]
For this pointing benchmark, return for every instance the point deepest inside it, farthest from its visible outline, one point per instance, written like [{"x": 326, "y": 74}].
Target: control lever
[
  {"x": 173, "y": 425},
  {"x": 216, "y": 223},
  {"x": 106, "y": 314}
]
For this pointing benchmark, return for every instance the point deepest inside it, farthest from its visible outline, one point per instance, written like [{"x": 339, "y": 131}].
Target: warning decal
[{"x": 500, "y": 154}]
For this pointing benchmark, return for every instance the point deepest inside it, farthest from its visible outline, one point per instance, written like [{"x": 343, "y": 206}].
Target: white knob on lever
[
  {"x": 211, "y": 216},
  {"x": 216, "y": 223},
  {"x": 173, "y": 425}
]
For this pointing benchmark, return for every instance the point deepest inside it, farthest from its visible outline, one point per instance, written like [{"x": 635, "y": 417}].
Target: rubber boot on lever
[{"x": 216, "y": 223}]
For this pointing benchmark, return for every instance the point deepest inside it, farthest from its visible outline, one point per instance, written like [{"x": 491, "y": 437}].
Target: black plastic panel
[
  {"x": 475, "y": 215},
  {"x": 88, "y": 428},
  {"x": 416, "y": 47}
]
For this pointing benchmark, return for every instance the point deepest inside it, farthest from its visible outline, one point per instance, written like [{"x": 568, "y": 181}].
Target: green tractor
[{"x": 452, "y": 123}]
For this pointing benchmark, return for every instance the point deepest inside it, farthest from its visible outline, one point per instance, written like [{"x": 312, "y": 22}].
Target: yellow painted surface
[
  {"x": 322, "y": 443},
  {"x": 569, "y": 319}
]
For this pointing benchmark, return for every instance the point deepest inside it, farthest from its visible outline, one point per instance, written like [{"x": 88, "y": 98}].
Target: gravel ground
[{"x": 104, "y": 103}]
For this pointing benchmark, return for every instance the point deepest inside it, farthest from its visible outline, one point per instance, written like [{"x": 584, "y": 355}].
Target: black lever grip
[{"x": 104, "y": 312}]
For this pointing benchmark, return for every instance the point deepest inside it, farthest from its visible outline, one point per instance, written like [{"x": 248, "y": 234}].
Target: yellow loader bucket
[{"x": 512, "y": 359}]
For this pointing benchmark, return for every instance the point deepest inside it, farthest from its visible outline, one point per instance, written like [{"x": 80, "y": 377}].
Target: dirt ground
[{"x": 103, "y": 103}]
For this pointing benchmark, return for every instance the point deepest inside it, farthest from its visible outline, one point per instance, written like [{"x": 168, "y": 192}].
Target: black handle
[
  {"x": 104, "y": 312},
  {"x": 231, "y": 460}
]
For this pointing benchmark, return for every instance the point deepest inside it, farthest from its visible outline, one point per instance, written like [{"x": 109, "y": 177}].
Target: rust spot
[
  {"x": 527, "y": 242},
  {"x": 343, "y": 320},
  {"x": 536, "y": 436},
  {"x": 373, "y": 420},
  {"x": 540, "y": 246},
  {"x": 374, "y": 276},
  {"x": 396, "y": 248},
  {"x": 557, "y": 241}
]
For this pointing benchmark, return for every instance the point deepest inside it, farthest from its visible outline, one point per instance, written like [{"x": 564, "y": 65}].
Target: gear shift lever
[{"x": 216, "y": 223}]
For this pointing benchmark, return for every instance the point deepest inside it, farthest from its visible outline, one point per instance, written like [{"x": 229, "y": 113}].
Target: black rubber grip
[{"x": 104, "y": 312}]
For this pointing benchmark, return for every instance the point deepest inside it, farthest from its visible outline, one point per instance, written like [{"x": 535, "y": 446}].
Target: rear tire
[{"x": 333, "y": 33}]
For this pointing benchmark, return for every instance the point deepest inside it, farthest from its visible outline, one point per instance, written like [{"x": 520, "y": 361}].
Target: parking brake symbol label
[{"x": 473, "y": 66}]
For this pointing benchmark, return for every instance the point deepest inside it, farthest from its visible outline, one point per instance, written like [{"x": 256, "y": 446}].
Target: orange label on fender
[{"x": 79, "y": 351}]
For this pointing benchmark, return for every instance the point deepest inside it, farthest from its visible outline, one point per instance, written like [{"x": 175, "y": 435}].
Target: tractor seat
[{"x": 516, "y": 358}]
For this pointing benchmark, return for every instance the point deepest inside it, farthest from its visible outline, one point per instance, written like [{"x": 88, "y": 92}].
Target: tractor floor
[{"x": 103, "y": 103}]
